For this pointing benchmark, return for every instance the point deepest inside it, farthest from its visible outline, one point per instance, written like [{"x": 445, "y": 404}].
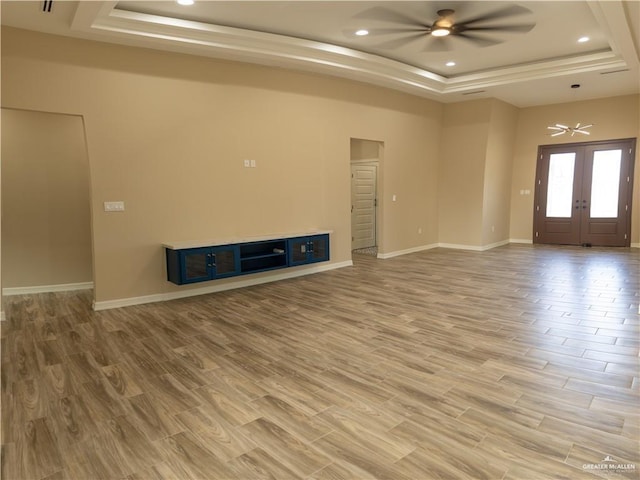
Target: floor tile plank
[{"x": 516, "y": 363}]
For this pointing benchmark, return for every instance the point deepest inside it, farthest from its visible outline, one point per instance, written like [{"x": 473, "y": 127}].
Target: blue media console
[{"x": 190, "y": 262}]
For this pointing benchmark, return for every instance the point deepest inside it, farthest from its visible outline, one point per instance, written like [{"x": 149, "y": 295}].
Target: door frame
[{"x": 538, "y": 201}]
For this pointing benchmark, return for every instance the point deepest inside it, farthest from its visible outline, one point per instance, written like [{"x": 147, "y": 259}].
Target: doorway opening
[
  {"x": 46, "y": 204},
  {"x": 583, "y": 193},
  {"x": 365, "y": 165}
]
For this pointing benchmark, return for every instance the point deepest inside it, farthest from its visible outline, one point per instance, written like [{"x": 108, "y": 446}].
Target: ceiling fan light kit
[
  {"x": 560, "y": 129},
  {"x": 440, "y": 32},
  {"x": 479, "y": 29}
]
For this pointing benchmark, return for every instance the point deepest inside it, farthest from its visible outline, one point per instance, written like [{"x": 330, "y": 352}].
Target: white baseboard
[
  {"x": 3, "y": 317},
  {"x": 407, "y": 251},
  {"x": 635, "y": 245},
  {"x": 455, "y": 246},
  {"x": 62, "y": 287},
  {"x": 246, "y": 281},
  {"x": 475, "y": 248},
  {"x": 521, "y": 240}
]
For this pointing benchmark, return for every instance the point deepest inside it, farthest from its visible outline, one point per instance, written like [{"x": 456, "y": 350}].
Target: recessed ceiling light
[
  {"x": 185, "y": 2},
  {"x": 450, "y": 64},
  {"x": 583, "y": 39},
  {"x": 362, "y": 33}
]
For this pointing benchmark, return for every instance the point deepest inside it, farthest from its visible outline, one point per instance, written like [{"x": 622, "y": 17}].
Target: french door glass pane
[
  {"x": 560, "y": 187},
  {"x": 605, "y": 183}
]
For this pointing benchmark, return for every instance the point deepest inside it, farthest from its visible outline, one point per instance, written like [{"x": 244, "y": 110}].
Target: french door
[{"x": 583, "y": 193}]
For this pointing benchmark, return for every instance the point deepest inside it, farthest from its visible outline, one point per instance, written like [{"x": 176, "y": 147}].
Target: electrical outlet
[{"x": 247, "y": 163}]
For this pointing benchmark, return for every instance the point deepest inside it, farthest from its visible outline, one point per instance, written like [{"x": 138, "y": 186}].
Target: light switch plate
[{"x": 114, "y": 206}]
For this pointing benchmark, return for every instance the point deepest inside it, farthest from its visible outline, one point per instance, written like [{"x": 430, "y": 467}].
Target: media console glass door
[
  {"x": 196, "y": 265},
  {"x": 224, "y": 261},
  {"x": 310, "y": 249}
]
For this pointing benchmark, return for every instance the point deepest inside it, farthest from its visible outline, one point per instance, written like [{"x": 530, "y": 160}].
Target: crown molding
[{"x": 204, "y": 39}]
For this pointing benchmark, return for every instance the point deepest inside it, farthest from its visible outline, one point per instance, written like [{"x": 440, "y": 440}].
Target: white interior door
[{"x": 363, "y": 206}]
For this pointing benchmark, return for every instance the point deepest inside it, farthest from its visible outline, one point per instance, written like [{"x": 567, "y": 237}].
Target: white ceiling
[{"x": 533, "y": 67}]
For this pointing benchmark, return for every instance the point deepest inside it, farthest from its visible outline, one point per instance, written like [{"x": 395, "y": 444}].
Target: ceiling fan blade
[
  {"x": 558, "y": 133},
  {"x": 510, "y": 11},
  {"x": 584, "y": 132},
  {"x": 495, "y": 28},
  {"x": 386, "y": 15},
  {"x": 482, "y": 41},
  {"x": 373, "y": 32},
  {"x": 437, "y": 44},
  {"x": 397, "y": 30},
  {"x": 555, "y": 128},
  {"x": 585, "y": 126},
  {"x": 564, "y": 127},
  {"x": 400, "y": 42}
]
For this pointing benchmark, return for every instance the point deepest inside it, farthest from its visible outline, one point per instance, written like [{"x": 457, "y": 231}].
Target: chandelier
[{"x": 562, "y": 129}]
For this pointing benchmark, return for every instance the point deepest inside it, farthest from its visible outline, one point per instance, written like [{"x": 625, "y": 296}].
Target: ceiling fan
[
  {"x": 562, "y": 129},
  {"x": 446, "y": 24}
]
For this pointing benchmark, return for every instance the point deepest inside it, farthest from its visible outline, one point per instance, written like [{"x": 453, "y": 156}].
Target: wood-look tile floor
[{"x": 516, "y": 363}]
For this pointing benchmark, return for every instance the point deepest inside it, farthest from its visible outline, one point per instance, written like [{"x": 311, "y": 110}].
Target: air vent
[
  {"x": 615, "y": 71},
  {"x": 47, "y": 5},
  {"x": 474, "y": 93}
]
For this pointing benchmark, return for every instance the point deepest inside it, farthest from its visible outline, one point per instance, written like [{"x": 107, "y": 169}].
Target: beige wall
[
  {"x": 613, "y": 118},
  {"x": 167, "y": 134},
  {"x": 475, "y": 172},
  {"x": 496, "y": 200},
  {"x": 365, "y": 149},
  {"x": 45, "y": 199},
  {"x": 462, "y": 171}
]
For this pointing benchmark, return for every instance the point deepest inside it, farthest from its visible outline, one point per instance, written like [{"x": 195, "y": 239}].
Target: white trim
[
  {"x": 197, "y": 38},
  {"x": 490, "y": 246},
  {"x": 3, "y": 317},
  {"x": 407, "y": 251},
  {"x": 521, "y": 240},
  {"x": 455, "y": 246},
  {"x": 635, "y": 245},
  {"x": 474, "y": 248},
  {"x": 62, "y": 287},
  {"x": 219, "y": 287}
]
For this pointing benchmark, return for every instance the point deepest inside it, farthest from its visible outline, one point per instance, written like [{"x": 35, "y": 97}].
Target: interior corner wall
[
  {"x": 168, "y": 134},
  {"x": 45, "y": 190},
  {"x": 496, "y": 199},
  {"x": 612, "y": 118},
  {"x": 462, "y": 172}
]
